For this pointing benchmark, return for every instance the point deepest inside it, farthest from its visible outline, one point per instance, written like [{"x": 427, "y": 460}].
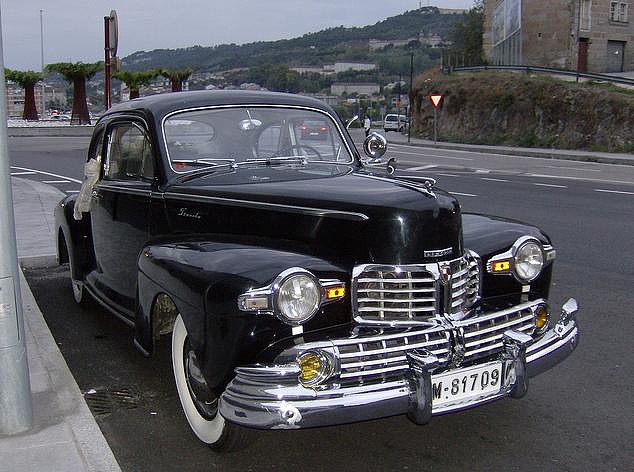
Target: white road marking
[
  {"x": 448, "y": 175},
  {"x": 72, "y": 191},
  {"x": 549, "y": 185},
  {"x": 613, "y": 191},
  {"x": 483, "y": 171},
  {"x": 55, "y": 181},
  {"x": 462, "y": 194},
  {"x": 23, "y": 173},
  {"x": 573, "y": 168},
  {"x": 430, "y": 166},
  {"x": 433, "y": 155},
  {"x": 47, "y": 173},
  {"x": 494, "y": 180},
  {"x": 585, "y": 179}
]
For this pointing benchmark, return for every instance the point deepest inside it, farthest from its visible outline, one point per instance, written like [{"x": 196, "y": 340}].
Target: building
[
  {"x": 15, "y": 98},
  {"x": 376, "y": 44},
  {"x": 584, "y": 35},
  {"x": 355, "y": 66},
  {"x": 361, "y": 88}
]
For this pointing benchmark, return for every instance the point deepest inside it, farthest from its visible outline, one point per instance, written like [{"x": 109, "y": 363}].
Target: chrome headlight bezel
[
  {"x": 506, "y": 262},
  {"x": 521, "y": 250},
  {"x": 278, "y": 286},
  {"x": 266, "y": 300}
]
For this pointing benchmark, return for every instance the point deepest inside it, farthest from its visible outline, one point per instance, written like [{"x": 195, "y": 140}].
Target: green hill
[{"x": 323, "y": 47}]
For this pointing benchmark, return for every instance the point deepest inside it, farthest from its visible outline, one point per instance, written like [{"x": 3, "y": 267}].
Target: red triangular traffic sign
[{"x": 436, "y": 99}]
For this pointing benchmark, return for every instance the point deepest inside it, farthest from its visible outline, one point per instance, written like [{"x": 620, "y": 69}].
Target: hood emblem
[
  {"x": 438, "y": 252},
  {"x": 445, "y": 272}
]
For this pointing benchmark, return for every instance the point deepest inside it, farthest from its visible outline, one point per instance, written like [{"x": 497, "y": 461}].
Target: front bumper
[{"x": 271, "y": 397}]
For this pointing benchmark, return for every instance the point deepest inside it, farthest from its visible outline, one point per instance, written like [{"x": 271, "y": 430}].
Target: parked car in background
[
  {"x": 314, "y": 129},
  {"x": 393, "y": 122},
  {"x": 300, "y": 283}
]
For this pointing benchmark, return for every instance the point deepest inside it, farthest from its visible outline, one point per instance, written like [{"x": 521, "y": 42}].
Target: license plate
[{"x": 464, "y": 384}]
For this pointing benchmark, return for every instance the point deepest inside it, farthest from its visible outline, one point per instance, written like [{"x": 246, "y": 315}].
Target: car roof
[{"x": 163, "y": 104}]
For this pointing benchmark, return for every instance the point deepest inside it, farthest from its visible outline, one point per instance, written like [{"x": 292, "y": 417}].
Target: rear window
[{"x": 390, "y": 118}]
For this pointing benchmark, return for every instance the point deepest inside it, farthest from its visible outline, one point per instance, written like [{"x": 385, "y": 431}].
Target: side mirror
[
  {"x": 374, "y": 146},
  {"x": 352, "y": 120}
]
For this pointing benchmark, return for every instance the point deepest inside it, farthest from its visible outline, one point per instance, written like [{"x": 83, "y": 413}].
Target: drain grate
[{"x": 105, "y": 401}]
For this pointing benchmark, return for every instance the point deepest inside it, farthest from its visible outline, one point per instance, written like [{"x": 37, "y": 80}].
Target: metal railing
[{"x": 544, "y": 70}]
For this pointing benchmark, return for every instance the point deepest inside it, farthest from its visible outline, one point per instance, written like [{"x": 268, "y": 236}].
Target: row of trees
[{"x": 78, "y": 73}]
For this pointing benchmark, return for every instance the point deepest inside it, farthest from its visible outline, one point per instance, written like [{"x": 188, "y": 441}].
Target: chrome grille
[
  {"x": 389, "y": 293},
  {"x": 382, "y": 355},
  {"x": 385, "y": 294},
  {"x": 465, "y": 283},
  {"x": 483, "y": 335}
]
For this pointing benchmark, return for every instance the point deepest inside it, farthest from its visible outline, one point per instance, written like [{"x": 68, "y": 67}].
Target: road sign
[
  {"x": 435, "y": 99},
  {"x": 113, "y": 33}
]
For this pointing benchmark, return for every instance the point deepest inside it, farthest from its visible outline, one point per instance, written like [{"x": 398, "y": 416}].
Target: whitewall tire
[{"x": 211, "y": 429}]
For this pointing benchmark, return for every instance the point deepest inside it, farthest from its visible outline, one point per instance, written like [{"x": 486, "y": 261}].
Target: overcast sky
[{"x": 73, "y": 29}]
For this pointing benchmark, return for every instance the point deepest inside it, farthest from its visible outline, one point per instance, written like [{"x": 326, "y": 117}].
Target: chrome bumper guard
[{"x": 271, "y": 397}]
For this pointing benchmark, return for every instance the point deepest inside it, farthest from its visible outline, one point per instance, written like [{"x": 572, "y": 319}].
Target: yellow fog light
[
  {"x": 314, "y": 367},
  {"x": 542, "y": 318}
]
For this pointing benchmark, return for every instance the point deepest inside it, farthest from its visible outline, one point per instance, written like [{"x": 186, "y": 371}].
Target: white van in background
[{"x": 394, "y": 122}]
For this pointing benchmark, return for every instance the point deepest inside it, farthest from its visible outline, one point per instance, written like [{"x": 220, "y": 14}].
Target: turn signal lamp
[
  {"x": 542, "y": 318},
  {"x": 501, "y": 266},
  {"x": 334, "y": 293},
  {"x": 314, "y": 368}
]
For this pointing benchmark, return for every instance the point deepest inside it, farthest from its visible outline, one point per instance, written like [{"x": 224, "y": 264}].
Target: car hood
[{"x": 339, "y": 211}]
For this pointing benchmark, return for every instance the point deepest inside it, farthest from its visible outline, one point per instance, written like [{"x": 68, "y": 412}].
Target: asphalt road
[{"x": 578, "y": 416}]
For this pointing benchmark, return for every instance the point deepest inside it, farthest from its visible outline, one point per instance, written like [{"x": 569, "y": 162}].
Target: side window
[
  {"x": 129, "y": 155},
  {"x": 96, "y": 148}
]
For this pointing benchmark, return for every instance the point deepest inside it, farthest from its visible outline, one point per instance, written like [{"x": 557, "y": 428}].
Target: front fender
[
  {"x": 204, "y": 279},
  {"x": 491, "y": 235}
]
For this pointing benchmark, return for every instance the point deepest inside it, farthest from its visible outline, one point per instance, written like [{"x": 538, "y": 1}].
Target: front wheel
[{"x": 200, "y": 404}]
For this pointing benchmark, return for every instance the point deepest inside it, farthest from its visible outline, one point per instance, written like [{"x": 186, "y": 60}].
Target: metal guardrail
[{"x": 545, "y": 70}]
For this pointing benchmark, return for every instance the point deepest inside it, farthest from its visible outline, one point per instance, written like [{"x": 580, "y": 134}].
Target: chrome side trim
[
  {"x": 117, "y": 189},
  {"x": 246, "y": 105},
  {"x": 319, "y": 212}
]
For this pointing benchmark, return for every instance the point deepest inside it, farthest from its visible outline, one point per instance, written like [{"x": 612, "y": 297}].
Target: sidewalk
[
  {"x": 65, "y": 436},
  {"x": 565, "y": 154}
]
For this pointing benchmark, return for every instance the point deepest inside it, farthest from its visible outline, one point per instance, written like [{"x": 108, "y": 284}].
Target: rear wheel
[
  {"x": 79, "y": 293},
  {"x": 199, "y": 403}
]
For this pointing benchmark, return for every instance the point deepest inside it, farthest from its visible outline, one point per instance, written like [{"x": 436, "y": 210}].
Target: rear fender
[{"x": 77, "y": 237}]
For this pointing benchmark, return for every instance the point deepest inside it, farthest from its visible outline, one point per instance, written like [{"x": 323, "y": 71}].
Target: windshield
[{"x": 221, "y": 135}]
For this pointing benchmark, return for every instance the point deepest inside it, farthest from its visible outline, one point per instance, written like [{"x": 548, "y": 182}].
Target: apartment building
[{"x": 584, "y": 35}]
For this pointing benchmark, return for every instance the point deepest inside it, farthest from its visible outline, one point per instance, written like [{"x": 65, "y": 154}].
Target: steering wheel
[{"x": 297, "y": 146}]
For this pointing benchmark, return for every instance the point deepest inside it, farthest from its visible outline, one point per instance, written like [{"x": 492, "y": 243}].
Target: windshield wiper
[
  {"x": 276, "y": 160},
  {"x": 205, "y": 161}
]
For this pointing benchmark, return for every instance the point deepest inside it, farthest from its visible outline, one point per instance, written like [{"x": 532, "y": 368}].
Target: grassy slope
[{"x": 534, "y": 111}]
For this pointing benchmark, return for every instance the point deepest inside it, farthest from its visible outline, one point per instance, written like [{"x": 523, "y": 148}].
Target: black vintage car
[{"x": 302, "y": 283}]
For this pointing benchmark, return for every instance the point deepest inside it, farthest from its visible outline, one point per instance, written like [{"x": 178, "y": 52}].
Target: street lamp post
[
  {"x": 16, "y": 413},
  {"x": 42, "y": 58},
  {"x": 409, "y": 108}
]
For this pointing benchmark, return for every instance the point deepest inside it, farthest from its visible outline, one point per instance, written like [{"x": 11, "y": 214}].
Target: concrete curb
[
  {"x": 57, "y": 131},
  {"x": 88, "y": 438},
  {"x": 601, "y": 158}
]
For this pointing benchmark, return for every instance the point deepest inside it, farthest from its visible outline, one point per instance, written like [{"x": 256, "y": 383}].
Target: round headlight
[
  {"x": 529, "y": 261},
  {"x": 298, "y": 298}
]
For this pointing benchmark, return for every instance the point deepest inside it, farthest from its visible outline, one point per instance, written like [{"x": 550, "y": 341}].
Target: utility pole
[
  {"x": 409, "y": 108},
  {"x": 106, "y": 28},
  {"x": 16, "y": 413},
  {"x": 42, "y": 51}
]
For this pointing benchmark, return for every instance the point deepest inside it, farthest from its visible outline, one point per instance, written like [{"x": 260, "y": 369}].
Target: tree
[
  {"x": 467, "y": 35},
  {"x": 177, "y": 77},
  {"x": 136, "y": 80},
  {"x": 26, "y": 80},
  {"x": 77, "y": 73}
]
